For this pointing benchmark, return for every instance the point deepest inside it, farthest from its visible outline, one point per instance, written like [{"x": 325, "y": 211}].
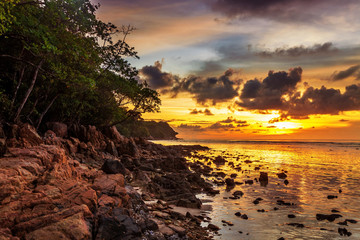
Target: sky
[{"x": 248, "y": 69}]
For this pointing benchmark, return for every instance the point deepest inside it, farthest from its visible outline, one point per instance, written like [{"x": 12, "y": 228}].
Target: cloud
[
  {"x": 155, "y": 77},
  {"x": 234, "y": 120},
  {"x": 269, "y": 94},
  {"x": 324, "y": 101},
  {"x": 351, "y": 71},
  {"x": 280, "y": 10},
  {"x": 190, "y": 127},
  {"x": 211, "y": 89},
  {"x": 278, "y": 91},
  {"x": 298, "y": 51},
  {"x": 205, "y": 112}
]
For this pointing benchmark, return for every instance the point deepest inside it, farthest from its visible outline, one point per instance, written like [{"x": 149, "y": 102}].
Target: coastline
[{"x": 80, "y": 183}]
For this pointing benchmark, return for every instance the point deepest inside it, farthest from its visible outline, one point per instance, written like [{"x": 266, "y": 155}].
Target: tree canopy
[{"x": 60, "y": 63}]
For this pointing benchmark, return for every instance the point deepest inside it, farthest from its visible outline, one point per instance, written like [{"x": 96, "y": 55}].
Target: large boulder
[
  {"x": 113, "y": 166},
  {"x": 60, "y": 129}
]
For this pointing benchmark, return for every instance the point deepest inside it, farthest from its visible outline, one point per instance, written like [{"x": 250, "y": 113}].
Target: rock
[
  {"x": 71, "y": 228},
  {"x": 132, "y": 148},
  {"x": 329, "y": 217},
  {"x": 291, "y": 216},
  {"x": 229, "y": 182},
  {"x": 180, "y": 230},
  {"x": 263, "y": 179},
  {"x": 112, "y": 184},
  {"x": 286, "y": 182},
  {"x": 112, "y": 166},
  {"x": 233, "y": 175},
  {"x": 227, "y": 222},
  {"x": 5, "y": 234},
  {"x": 213, "y": 227},
  {"x": 111, "y": 148},
  {"x": 342, "y": 223},
  {"x": 248, "y": 161},
  {"x": 332, "y": 196},
  {"x": 249, "y": 182},
  {"x": 261, "y": 210},
  {"x": 60, "y": 129},
  {"x": 219, "y": 160},
  {"x": 344, "y": 232},
  {"x": 29, "y": 136},
  {"x": 244, "y": 216},
  {"x": 238, "y": 193},
  {"x": 281, "y": 175},
  {"x": 281, "y": 238},
  {"x": 238, "y": 214},
  {"x": 351, "y": 221},
  {"x": 298, "y": 225}
]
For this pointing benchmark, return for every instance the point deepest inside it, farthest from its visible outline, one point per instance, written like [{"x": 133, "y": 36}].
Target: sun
[{"x": 286, "y": 125}]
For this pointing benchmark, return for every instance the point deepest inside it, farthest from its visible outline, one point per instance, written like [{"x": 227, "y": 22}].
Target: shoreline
[{"x": 84, "y": 184}]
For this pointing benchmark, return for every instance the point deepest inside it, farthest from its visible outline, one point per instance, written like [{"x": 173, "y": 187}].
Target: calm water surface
[{"x": 314, "y": 171}]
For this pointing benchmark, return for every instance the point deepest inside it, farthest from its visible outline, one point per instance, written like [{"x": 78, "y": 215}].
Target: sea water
[{"x": 314, "y": 171}]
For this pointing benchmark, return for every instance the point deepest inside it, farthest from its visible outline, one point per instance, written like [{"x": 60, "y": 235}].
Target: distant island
[{"x": 151, "y": 130}]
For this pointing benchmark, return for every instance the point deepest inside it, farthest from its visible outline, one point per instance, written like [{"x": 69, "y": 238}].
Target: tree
[{"x": 58, "y": 62}]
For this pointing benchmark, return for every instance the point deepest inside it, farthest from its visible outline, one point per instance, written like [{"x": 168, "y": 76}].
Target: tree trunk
[
  {"x": 17, "y": 116},
  {"x": 18, "y": 86},
  {"x": 45, "y": 111}
]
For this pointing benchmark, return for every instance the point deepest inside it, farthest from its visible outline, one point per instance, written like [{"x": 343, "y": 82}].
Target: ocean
[{"x": 322, "y": 178}]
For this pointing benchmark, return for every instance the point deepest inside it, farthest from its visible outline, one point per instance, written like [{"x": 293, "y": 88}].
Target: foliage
[
  {"x": 147, "y": 129},
  {"x": 59, "y": 62}
]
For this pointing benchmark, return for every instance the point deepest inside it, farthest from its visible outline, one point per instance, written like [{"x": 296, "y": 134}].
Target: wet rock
[
  {"x": 112, "y": 166},
  {"x": 219, "y": 160},
  {"x": 275, "y": 208},
  {"x": 229, "y": 182},
  {"x": 329, "y": 217},
  {"x": 281, "y": 238},
  {"x": 233, "y": 175},
  {"x": 291, "y": 216},
  {"x": 298, "y": 225},
  {"x": 227, "y": 222},
  {"x": 351, "y": 221},
  {"x": 281, "y": 175},
  {"x": 248, "y": 161},
  {"x": 220, "y": 174},
  {"x": 286, "y": 182},
  {"x": 282, "y": 202},
  {"x": 238, "y": 193},
  {"x": 344, "y": 232},
  {"x": 332, "y": 196},
  {"x": 263, "y": 179},
  {"x": 213, "y": 227},
  {"x": 261, "y": 210},
  {"x": 342, "y": 223},
  {"x": 244, "y": 216},
  {"x": 238, "y": 214},
  {"x": 249, "y": 182},
  {"x": 335, "y": 211}
]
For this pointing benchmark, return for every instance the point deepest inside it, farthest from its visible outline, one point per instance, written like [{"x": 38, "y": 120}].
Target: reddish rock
[
  {"x": 29, "y": 135},
  {"x": 74, "y": 227}
]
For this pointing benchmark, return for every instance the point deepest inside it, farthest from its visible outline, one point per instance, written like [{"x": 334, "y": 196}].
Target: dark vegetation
[
  {"x": 147, "y": 129},
  {"x": 59, "y": 63}
]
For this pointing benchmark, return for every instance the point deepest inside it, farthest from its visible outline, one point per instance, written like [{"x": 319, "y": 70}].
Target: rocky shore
[{"x": 78, "y": 182}]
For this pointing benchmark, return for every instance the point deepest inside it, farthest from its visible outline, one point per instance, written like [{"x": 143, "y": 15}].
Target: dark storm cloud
[
  {"x": 290, "y": 10},
  {"x": 269, "y": 93},
  {"x": 351, "y": 71},
  {"x": 212, "y": 89},
  {"x": 298, "y": 51},
  {"x": 205, "y": 112},
  {"x": 156, "y": 78},
  {"x": 324, "y": 101},
  {"x": 278, "y": 92}
]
